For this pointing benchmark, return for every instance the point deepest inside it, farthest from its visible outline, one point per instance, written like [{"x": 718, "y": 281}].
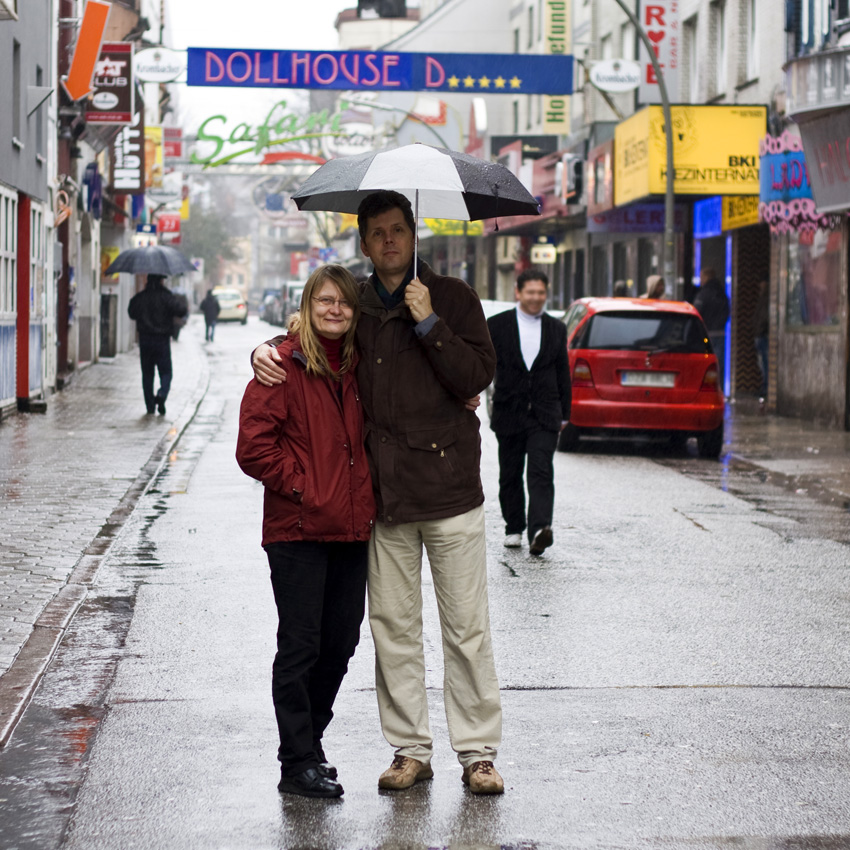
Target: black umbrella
[
  {"x": 440, "y": 183},
  {"x": 152, "y": 259},
  {"x": 450, "y": 184}
]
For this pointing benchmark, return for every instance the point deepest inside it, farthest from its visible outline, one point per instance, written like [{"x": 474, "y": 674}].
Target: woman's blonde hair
[{"x": 301, "y": 323}]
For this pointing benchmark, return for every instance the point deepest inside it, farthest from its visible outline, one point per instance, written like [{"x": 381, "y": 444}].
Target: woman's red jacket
[{"x": 305, "y": 445}]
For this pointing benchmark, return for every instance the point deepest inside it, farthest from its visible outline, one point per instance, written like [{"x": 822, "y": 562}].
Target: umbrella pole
[{"x": 416, "y": 237}]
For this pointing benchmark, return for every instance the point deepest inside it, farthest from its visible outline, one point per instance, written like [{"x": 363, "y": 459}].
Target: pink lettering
[
  {"x": 257, "y": 77},
  {"x": 275, "y": 77},
  {"x": 304, "y": 62},
  {"x": 351, "y": 76},
  {"x": 390, "y": 61},
  {"x": 246, "y": 59},
  {"x": 369, "y": 61},
  {"x": 334, "y": 69},
  {"x": 432, "y": 68},
  {"x": 208, "y": 77}
]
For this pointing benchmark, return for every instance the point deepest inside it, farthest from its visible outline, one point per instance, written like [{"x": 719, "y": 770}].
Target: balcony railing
[{"x": 819, "y": 81}]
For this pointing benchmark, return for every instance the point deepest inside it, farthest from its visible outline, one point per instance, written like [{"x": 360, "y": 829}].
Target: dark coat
[
  {"x": 210, "y": 308},
  {"x": 713, "y": 305},
  {"x": 306, "y": 446},
  {"x": 542, "y": 391},
  {"x": 424, "y": 446},
  {"x": 154, "y": 309}
]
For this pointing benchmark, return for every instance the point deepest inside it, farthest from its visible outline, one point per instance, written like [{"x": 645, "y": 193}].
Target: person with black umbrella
[{"x": 154, "y": 309}]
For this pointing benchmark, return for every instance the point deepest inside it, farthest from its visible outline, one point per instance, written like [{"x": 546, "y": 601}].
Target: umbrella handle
[{"x": 416, "y": 236}]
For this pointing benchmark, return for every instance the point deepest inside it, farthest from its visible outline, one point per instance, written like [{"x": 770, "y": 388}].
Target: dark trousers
[
  {"x": 320, "y": 592},
  {"x": 155, "y": 354},
  {"x": 210, "y": 330},
  {"x": 538, "y": 446}
]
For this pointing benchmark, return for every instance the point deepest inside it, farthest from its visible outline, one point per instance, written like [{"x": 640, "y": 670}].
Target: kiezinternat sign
[{"x": 360, "y": 70}]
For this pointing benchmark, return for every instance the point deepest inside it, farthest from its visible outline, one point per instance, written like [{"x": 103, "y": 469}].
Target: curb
[{"x": 19, "y": 683}]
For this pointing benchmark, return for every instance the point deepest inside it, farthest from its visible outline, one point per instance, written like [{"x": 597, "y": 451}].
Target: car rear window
[{"x": 643, "y": 331}]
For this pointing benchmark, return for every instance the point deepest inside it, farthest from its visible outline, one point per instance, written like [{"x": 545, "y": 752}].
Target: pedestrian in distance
[
  {"x": 531, "y": 406},
  {"x": 621, "y": 289},
  {"x": 655, "y": 287},
  {"x": 712, "y": 303},
  {"x": 210, "y": 308},
  {"x": 303, "y": 439},
  {"x": 426, "y": 352},
  {"x": 154, "y": 310}
]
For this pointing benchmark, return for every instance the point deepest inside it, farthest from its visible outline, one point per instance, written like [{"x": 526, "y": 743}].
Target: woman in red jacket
[{"x": 303, "y": 440}]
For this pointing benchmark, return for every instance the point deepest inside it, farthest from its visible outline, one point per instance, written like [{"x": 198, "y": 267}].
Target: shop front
[{"x": 808, "y": 305}]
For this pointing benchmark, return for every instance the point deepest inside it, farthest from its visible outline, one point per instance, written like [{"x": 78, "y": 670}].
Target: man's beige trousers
[{"x": 457, "y": 554}]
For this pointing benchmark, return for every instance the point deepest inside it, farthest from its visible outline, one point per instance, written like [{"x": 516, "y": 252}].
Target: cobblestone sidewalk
[{"x": 63, "y": 473}]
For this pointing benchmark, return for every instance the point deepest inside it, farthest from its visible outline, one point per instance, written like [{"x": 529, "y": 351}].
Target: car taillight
[
  {"x": 581, "y": 374},
  {"x": 709, "y": 382}
]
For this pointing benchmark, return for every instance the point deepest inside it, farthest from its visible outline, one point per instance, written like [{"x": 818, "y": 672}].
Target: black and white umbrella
[
  {"x": 439, "y": 183},
  {"x": 151, "y": 259}
]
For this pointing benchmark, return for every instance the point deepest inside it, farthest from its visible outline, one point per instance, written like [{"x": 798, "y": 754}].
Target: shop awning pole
[{"x": 668, "y": 246}]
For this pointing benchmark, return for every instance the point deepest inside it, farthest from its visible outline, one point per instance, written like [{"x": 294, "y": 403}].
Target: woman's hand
[{"x": 266, "y": 364}]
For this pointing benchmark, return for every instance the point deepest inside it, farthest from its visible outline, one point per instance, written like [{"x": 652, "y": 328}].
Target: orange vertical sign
[{"x": 78, "y": 84}]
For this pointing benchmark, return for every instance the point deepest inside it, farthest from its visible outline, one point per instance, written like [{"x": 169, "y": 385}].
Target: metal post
[{"x": 667, "y": 247}]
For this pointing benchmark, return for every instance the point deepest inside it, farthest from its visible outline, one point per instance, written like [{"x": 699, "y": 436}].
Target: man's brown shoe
[
  {"x": 403, "y": 773},
  {"x": 483, "y": 778}
]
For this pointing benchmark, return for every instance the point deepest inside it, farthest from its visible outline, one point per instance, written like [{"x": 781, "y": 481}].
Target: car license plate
[{"x": 648, "y": 379}]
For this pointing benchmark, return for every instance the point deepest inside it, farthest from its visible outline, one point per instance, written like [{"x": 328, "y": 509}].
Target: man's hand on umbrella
[
  {"x": 266, "y": 363},
  {"x": 418, "y": 300}
]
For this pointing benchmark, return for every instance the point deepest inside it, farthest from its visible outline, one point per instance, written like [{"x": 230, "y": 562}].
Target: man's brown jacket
[{"x": 423, "y": 445}]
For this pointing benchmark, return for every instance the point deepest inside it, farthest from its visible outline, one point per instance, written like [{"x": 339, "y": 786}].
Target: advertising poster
[{"x": 113, "y": 89}]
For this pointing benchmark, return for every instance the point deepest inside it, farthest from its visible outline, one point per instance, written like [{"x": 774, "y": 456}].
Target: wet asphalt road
[{"x": 674, "y": 672}]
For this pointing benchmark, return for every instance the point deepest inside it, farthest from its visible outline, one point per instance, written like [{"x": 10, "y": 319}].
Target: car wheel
[
  {"x": 710, "y": 443},
  {"x": 245, "y": 320},
  {"x": 568, "y": 438}
]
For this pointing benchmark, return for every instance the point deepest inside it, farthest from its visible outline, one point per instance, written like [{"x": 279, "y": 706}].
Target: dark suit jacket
[{"x": 543, "y": 391}]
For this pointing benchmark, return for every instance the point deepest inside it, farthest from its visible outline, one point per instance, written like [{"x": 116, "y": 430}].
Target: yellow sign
[
  {"x": 740, "y": 211},
  {"x": 715, "y": 151},
  {"x": 557, "y": 41},
  {"x": 184, "y": 209},
  {"x": 446, "y": 227},
  {"x": 153, "y": 157}
]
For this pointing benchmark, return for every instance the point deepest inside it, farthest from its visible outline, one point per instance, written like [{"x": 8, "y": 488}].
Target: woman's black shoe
[
  {"x": 310, "y": 783},
  {"x": 327, "y": 770}
]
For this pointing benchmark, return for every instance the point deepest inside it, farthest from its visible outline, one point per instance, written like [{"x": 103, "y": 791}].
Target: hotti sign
[{"x": 359, "y": 70}]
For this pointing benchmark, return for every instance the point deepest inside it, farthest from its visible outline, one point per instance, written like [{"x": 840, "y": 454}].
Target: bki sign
[{"x": 660, "y": 21}]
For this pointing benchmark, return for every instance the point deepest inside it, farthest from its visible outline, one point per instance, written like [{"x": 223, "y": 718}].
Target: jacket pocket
[{"x": 439, "y": 456}]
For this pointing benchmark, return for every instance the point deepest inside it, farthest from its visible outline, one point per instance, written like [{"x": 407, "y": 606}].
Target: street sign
[
  {"x": 543, "y": 255},
  {"x": 159, "y": 64}
]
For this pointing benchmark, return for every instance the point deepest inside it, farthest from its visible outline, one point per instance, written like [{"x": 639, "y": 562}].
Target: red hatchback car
[{"x": 642, "y": 365}]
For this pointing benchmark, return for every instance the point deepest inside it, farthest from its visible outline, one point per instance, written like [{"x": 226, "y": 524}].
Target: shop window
[
  {"x": 814, "y": 279},
  {"x": 8, "y": 250}
]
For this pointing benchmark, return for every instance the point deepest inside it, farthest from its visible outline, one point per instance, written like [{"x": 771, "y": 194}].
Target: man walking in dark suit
[{"x": 531, "y": 405}]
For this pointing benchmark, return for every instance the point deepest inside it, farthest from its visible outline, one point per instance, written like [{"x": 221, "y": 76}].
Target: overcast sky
[{"x": 259, "y": 24}]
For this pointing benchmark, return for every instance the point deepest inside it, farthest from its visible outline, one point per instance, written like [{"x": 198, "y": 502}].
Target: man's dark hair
[
  {"x": 531, "y": 274},
  {"x": 380, "y": 202}
]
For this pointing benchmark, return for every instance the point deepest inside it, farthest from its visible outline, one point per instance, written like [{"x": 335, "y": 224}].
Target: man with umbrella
[
  {"x": 154, "y": 310},
  {"x": 425, "y": 350}
]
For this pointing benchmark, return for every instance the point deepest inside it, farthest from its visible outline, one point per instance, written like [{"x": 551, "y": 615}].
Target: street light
[{"x": 667, "y": 244}]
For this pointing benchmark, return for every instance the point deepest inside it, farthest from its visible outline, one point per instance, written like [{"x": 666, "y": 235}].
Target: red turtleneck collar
[{"x": 333, "y": 349}]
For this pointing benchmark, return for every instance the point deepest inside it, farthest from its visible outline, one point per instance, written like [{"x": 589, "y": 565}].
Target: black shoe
[
  {"x": 327, "y": 770},
  {"x": 542, "y": 540},
  {"x": 160, "y": 406},
  {"x": 310, "y": 783}
]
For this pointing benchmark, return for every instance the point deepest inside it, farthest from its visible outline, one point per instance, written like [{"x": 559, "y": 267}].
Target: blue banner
[
  {"x": 784, "y": 177},
  {"x": 360, "y": 70}
]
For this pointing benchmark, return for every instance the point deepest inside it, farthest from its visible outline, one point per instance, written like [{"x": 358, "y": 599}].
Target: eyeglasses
[{"x": 327, "y": 302}]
